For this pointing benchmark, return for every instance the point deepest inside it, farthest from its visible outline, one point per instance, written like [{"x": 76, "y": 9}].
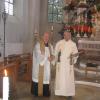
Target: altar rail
[
  {"x": 89, "y": 45},
  {"x": 92, "y": 50}
]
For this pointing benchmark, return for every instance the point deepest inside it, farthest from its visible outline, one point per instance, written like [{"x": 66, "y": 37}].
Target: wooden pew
[
  {"x": 25, "y": 67},
  {"x": 14, "y": 65}
]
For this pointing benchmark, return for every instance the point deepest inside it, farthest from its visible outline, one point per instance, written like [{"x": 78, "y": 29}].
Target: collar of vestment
[
  {"x": 46, "y": 44},
  {"x": 43, "y": 45},
  {"x": 67, "y": 40}
]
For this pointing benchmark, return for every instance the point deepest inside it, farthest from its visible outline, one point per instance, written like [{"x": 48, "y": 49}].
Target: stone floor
[
  {"x": 82, "y": 93},
  {"x": 92, "y": 76},
  {"x": 89, "y": 78}
]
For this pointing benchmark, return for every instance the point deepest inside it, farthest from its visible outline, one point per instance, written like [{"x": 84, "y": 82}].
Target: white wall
[
  {"x": 29, "y": 16},
  {"x": 45, "y": 25},
  {"x": 14, "y": 24},
  {"x": 21, "y": 26},
  {"x": 17, "y": 26},
  {"x": 34, "y": 22}
]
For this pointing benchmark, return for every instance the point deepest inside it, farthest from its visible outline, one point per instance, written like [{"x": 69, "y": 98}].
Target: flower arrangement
[{"x": 85, "y": 18}]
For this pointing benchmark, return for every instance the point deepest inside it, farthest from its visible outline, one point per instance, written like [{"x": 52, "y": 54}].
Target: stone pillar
[{"x": 43, "y": 16}]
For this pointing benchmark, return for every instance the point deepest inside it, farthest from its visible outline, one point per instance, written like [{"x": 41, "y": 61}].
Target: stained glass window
[{"x": 55, "y": 12}]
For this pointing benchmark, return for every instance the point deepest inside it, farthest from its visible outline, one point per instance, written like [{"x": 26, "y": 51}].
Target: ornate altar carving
[
  {"x": 92, "y": 50},
  {"x": 90, "y": 59}
]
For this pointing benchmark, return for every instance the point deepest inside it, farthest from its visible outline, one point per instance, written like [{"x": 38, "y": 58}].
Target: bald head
[
  {"x": 46, "y": 37},
  {"x": 67, "y": 35}
]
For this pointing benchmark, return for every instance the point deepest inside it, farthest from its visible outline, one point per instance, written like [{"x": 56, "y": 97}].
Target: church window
[
  {"x": 55, "y": 12},
  {"x": 9, "y": 5}
]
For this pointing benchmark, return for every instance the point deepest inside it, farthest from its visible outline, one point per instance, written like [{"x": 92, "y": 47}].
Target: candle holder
[
  {"x": 52, "y": 28},
  {"x": 51, "y": 33},
  {"x": 4, "y": 17}
]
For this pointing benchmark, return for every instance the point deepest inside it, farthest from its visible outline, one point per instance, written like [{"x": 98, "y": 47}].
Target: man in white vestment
[
  {"x": 64, "y": 84},
  {"x": 42, "y": 59}
]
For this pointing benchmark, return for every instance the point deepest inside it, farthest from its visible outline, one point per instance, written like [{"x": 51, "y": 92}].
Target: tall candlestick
[{"x": 5, "y": 86}]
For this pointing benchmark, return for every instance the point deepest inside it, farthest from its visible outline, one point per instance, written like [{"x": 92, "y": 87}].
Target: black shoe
[{"x": 69, "y": 98}]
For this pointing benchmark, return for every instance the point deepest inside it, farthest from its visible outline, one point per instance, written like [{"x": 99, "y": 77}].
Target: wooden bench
[
  {"x": 25, "y": 67},
  {"x": 13, "y": 65}
]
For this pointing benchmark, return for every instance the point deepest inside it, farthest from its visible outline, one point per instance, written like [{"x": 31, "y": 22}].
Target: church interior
[{"x": 21, "y": 19}]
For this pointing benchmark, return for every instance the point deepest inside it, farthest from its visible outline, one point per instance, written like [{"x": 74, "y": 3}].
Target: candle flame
[{"x": 5, "y": 71}]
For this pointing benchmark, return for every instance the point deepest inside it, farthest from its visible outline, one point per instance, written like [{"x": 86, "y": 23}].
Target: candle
[
  {"x": 5, "y": 86},
  {"x": 52, "y": 27}
]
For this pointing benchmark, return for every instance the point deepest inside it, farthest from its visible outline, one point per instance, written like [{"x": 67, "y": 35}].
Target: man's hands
[{"x": 51, "y": 58}]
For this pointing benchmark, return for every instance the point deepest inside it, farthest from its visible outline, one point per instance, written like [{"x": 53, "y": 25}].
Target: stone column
[{"x": 43, "y": 16}]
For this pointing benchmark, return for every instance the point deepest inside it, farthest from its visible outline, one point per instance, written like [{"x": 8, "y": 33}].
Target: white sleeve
[
  {"x": 74, "y": 51},
  {"x": 57, "y": 50},
  {"x": 40, "y": 57},
  {"x": 52, "y": 52}
]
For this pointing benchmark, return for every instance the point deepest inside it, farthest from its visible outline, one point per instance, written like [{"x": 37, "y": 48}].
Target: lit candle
[{"x": 5, "y": 86}]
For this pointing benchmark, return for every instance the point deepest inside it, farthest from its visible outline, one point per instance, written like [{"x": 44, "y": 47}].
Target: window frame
[
  {"x": 9, "y": 3},
  {"x": 53, "y": 13}
]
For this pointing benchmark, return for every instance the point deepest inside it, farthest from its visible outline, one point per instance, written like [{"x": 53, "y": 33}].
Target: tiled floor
[{"x": 82, "y": 93}]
